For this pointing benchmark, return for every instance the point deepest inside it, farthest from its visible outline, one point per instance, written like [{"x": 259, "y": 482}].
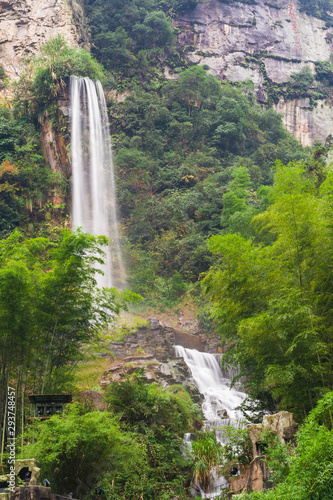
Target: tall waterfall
[
  {"x": 94, "y": 201},
  {"x": 220, "y": 401}
]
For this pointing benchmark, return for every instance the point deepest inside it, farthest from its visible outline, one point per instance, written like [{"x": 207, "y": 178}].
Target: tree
[
  {"x": 80, "y": 449},
  {"x": 308, "y": 467},
  {"x": 197, "y": 88},
  {"x": 50, "y": 306},
  {"x": 154, "y": 32},
  {"x": 270, "y": 296}
]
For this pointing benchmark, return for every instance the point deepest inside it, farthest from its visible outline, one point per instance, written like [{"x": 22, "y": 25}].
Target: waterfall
[
  {"x": 220, "y": 401},
  {"x": 93, "y": 184}
]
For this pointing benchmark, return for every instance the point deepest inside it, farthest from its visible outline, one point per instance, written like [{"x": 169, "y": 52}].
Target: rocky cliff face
[
  {"x": 25, "y": 25},
  {"x": 265, "y": 42}
]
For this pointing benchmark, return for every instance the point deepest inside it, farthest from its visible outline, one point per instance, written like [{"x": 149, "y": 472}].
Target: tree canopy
[
  {"x": 49, "y": 304},
  {"x": 270, "y": 292}
]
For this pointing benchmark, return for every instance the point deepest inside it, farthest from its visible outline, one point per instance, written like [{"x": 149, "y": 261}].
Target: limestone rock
[
  {"x": 223, "y": 35},
  {"x": 24, "y": 26},
  {"x": 279, "y": 423},
  {"x": 252, "y": 477},
  {"x": 306, "y": 123},
  {"x": 31, "y": 465},
  {"x": 282, "y": 424}
]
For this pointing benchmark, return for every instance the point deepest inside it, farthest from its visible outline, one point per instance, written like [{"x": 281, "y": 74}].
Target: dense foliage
[
  {"x": 134, "y": 38},
  {"x": 50, "y": 308},
  {"x": 178, "y": 152},
  {"x": 195, "y": 160},
  {"x": 307, "y": 469},
  {"x": 271, "y": 295},
  {"x": 46, "y": 74},
  {"x": 26, "y": 182},
  {"x": 131, "y": 451}
]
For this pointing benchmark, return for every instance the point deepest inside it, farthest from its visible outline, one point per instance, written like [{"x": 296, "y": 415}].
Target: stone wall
[{"x": 222, "y": 35}]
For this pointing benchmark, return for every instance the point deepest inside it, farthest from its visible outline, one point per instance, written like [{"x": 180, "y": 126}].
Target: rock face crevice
[{"x": 264, "y": 43}]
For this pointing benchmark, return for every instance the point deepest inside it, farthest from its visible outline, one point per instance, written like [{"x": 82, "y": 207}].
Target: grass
[{"x": 88, "y": 374}]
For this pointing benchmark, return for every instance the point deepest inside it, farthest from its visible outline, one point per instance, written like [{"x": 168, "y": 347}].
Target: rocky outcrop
[
  {"x": 25, "y": 25},
  {"x": 151, "y": 349},
  {"x": 306, "y": 122},
  {"x": 159, "y": 340},
  {"x": 54, "y": 135},
  {"x": 265, "y": 42},
  {"x": 168, "y": 373},
  {"x": 281, "y": 424},
  {"x": 251, "y": 478},
  {"x": 255, "y": 476}
]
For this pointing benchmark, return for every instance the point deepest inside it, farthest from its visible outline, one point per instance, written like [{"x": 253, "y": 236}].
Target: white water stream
[
  {"x": 220, "y": 401},
  {"x": 94, "y": 201}
]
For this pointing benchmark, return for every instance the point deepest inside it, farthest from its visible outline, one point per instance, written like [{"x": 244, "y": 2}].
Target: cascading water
[
  {"x": 219, "y": 402},
  {"x": 94, "y": 201}
]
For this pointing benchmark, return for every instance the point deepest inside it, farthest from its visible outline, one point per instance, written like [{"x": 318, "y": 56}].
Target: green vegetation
[
  {"x": 50, "y": 309},
  {"x": 133, "y": 39},
  {"x": 26, "y": 182},
  {"x": 303, "y": 472},
  {"x": 319, "y": 8},
  {"x": 49, "y": 306},
  {"x": 196, "y": 160},
  {"x": 47, "y": 74},
  {"x": 207, "y": 453},
  {"x": 270, "y": 293},
  {"x": 176, "y": 151},
  {"x": 132, "y": 451}
]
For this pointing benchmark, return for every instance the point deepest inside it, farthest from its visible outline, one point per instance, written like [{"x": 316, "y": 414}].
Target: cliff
[
  {"x": 266, "y": 42},
  {"x": 24, "y": 26}
]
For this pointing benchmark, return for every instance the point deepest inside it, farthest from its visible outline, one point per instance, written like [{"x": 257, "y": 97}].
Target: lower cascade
[
  {"x": 220, "y": 401},
  {"x": 94, "y": 200}
]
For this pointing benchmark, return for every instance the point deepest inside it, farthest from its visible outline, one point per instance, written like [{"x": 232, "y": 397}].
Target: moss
[
  {"x": 206, "y": 54},
  {"x": 296, "y": 87},
  {"x": 2, "y": 77}
]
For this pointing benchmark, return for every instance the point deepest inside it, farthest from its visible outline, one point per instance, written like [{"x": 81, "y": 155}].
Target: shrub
[
  {"x": 207, "y": 454},
  {"x": 142, "y": 406},
  {"x": 76, "y": 450},
  {"x": 47, "y": 73}
]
